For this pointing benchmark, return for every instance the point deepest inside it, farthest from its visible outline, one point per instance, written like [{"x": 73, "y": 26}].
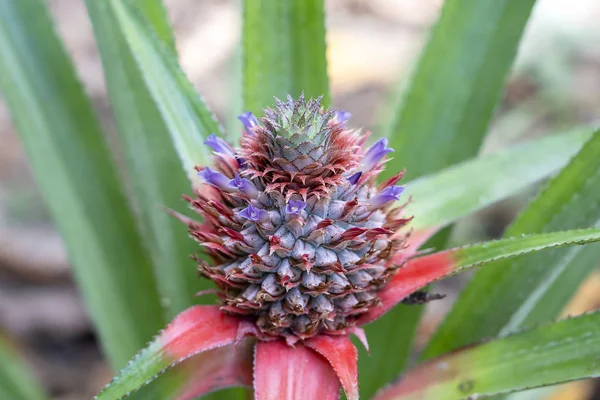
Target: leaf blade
[
  {"x": 16, "y": 381},
  {"x": 188, "y": 119},
  {"x": 67, "y": 152},
  {"x": 152, "y": 163},
  {"x": 444, "y": 197},
  {"x": 442, "y": 116},
  {"x": 513, "y": 292},
  {"x": 458, "y": 80},
  {"x": 283, "y": 51},
  {"x": 194, "y": 331},
  {"x": 551, "y": 354},
  {"x": 441, "y": 198},
  {"x": 421, "y": 271}
]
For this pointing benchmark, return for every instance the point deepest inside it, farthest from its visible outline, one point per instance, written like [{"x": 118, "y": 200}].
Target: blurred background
[{"x": 372, "y": 45}]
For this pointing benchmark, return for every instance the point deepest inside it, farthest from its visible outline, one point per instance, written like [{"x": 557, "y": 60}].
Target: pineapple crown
[
  {"x": 299, "y": 121},
  {"x": 301, "y": 236}
]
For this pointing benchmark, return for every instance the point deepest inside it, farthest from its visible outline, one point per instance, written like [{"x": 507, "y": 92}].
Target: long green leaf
[
  {"x": 185, "y": 115},
  {"x": 450, "y": 100},
  {"x": 153, "y": 165},
  {"x": 443, "y": 115},
  {"x": 16, "y": 382},
  {"x": 283, "y": 51},
  {"x": 550, "y": 354},
  {"x": 534, "y": 288},
  {"x": 440, "y": 199},
  {"x": 76, "y": 175},
  {"x": 155, "y": 13}
]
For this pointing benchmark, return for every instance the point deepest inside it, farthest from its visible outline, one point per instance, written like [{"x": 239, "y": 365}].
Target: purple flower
[
  {"x": 294, "y": 207},
  {"x": 341, "y": 116},
  {"x": 354, "y": 178},
  {"x": 390, "y": 193},
  {"x": 243, "y": 185},
  {"x": 254, "y": 214},
  {"x": 218, "y": 145},
  {"x": 249, "y": 121},
  {"x": 374, "y": 154},
  {"x": 214, "y": 178},
  {"x": 241, "y": 162}
]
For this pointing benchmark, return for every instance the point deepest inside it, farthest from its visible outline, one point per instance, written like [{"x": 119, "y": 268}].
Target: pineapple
[{"x": 300, "y": 235}]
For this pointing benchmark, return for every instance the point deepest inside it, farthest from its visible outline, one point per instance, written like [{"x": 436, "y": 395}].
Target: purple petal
[
  {"x": 254, "y": 214},
  {"x": 218, "y": 145},
  {"x": 249, "y": 121},
  {"x": 375, "y": 153},
  {"x": 341, "y": 116},
  {"x": 294, "y": 207},
  {"x": 243, "y": 185},
  {"x": 391, "y": 193},
  {"x": 214, "y": 178},
  {"x": 241, "y": 162},
  {"x": 354, "y": 178}
]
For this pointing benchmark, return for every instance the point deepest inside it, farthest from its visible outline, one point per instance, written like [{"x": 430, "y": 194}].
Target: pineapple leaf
[
  {"x": 196, "y": 331},
  {"x": 442, "y": 198},
  {"x": 560, "y": 352},
  {"x": 534, "y": 288},
  {"x": 458, "y": 191},
  {"x": 16, "y": 382},
  {"x": 283, "y": 51},
  {"x": 77, "y": 177},
  {"x": 421, "y": 271},
  {"x": 444, "y": 114},
  {"x": 441, "y": 119},
  {"x": 155, "y": 13},
  {"x": 185, "y": 115},
  {"x": 157, "y": 178}
]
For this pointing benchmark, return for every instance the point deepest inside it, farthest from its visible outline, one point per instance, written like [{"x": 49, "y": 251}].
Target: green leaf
[
  {"x": 283, "y": 51},
  {"x": 444, "y": 197},
  {"x": 493, "y": 250},
  {"x": 155, "y": 13},
  {"x": 77, "y": 177},
  {"x": 450, "y": 100},
  {"x": 550, "y": 354},
  {"x": 442, "y": 117},
  {"x": 530, "y": 289},
  {"x": 185, "y": 115},
  {"x": 16, "y": 382},
  {"x": 154, "y": 168}
]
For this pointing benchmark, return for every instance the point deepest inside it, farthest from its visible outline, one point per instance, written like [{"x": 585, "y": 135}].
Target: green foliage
[
  {"x": 442, "y": 198},
  {"x": 131, "y": 258},
  {"x": 441, "y": 120},
  {"x": 283, "y": 51},
  {"x": 547, "y": 355},
  {"x": 444, "y": 114},
  {"x": 533, "y": 288},
  {"x": 153, "y": 164},
  {"x": 15, "y": 380},
  {"x": 78, "y": 179}
]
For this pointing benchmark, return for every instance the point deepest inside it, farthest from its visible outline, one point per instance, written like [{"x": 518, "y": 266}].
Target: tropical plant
[{"x": 302, "y": 233}]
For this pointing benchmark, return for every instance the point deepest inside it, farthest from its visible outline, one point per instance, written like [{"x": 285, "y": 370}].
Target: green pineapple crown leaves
[{"x": 299, "y": 121}]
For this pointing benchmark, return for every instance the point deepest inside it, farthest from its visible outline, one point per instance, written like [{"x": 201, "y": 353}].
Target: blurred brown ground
[{"x": 372, "y": 45}]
